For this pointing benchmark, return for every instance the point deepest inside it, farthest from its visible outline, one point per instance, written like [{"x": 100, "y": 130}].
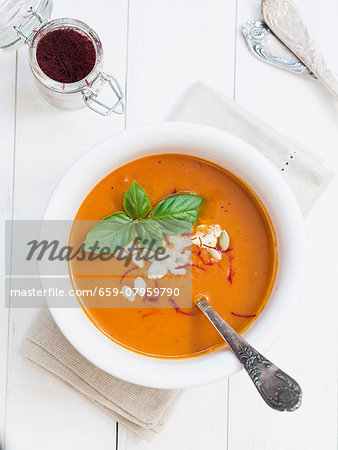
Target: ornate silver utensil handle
[
  {"x": 286, "y": 22},
  {"x": 263, "y": 44},
  {"x": 278, "y": 389}
]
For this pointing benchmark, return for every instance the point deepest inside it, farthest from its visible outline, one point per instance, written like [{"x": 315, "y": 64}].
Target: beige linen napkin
[
  {"x": 143, "y": 409},
  {"x": 140, "y": 408}
]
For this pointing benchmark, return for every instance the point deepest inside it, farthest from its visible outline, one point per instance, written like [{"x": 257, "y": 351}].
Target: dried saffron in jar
[{"x": 65, "y": 55}]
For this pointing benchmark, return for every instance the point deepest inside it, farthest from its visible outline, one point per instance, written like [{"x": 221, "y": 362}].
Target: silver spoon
[{"x": 278, "y": 389}]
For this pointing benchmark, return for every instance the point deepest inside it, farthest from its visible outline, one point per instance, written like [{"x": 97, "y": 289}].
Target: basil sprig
[{"x": 173, "y": 215}]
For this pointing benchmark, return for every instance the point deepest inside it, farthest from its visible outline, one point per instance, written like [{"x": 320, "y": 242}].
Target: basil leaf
[
  {"x": 136, "y": 202},
  {"x": 177, "y": 213},
  {"x": 116, "y": 230},
  {"x": 174, "y": 227},
  {"x": 150, "y": 234}
]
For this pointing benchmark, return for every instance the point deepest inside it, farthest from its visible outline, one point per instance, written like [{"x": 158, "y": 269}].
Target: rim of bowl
[{"x": 213, "y": 145}]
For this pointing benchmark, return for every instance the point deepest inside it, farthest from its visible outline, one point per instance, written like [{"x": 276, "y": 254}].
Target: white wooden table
[{"x": 157, "y": 49}]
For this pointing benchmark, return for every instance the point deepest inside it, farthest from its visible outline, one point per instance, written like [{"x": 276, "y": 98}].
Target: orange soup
[{"x": 237, "y": 282}]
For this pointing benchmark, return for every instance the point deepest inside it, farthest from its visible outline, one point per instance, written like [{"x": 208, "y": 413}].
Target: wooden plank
[
  {"x": 7, "y": 147},
  {"x": 172, "y": 45},
  {"x": 198, "y": 421},
  {"x": 302, "y": 109},
  {"x": 41, "y": 411}
]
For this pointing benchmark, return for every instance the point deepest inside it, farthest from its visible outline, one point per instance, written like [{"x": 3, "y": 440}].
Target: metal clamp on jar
[{"x": 26, "y": 22}]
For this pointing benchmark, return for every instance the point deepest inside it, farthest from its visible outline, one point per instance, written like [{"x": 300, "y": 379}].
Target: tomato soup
[{"x": 237, "y": 285}]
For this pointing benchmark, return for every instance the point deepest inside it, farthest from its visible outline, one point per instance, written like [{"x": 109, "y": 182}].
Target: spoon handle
[
  {"x": 284, "y": 19},
  {"x": 278, "y": 389}
]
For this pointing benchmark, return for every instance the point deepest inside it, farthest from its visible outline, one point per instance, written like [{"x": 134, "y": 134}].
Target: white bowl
[{"x": 244, "y": 161}]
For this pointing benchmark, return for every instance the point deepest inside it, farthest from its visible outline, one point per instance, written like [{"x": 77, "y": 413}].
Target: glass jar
[{"x": 21, "y": 22}]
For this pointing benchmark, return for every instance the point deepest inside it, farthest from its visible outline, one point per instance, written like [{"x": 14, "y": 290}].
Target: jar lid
[{"x": 19, "y": 19}]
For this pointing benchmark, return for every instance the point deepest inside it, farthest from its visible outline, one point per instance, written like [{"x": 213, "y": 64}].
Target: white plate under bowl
[{"x": 242, "y": 160}]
